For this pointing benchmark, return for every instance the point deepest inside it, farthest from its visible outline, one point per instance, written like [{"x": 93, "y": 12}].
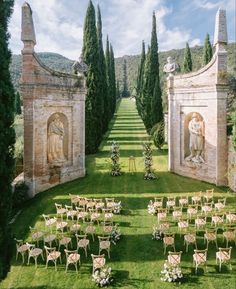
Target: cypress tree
[
  {"x": 92, "y": 103},
  {"x": 113, "y": 80},
  {"x": 117, "y": 89},
  {"x": 151, "y": 76},
  {"x": 7, "y": 137},
  {"x": 108, "y": 76},
  {"x": 187, "y": 59},
  {"x": 207, "y": 50},
  {"x": 125, "y": 91},
  {"x": 140, "y": 78},
  {"x": 103, "y": 79},
  {"x": 18, "y": 104}
]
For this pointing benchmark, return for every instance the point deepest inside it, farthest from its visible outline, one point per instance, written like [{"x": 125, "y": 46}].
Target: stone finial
[
  {"x": 221, "y": 36},
  {"x": 27, "y": 28}
]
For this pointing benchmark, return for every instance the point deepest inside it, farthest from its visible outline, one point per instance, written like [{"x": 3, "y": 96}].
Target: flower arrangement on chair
[
  {"x": 157, "y": 234},
  {"x": 115, "y": 234},
  {"x": 148, "y": 162},
  {"x": 115, "y": 155},
  {"x": 171, "y": 273},
  {"x": 151, "y": 208},
  {"x": 103, "y": 277}
]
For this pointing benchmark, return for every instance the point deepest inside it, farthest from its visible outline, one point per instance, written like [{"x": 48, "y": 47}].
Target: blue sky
[{"x": 59, "y": 23}]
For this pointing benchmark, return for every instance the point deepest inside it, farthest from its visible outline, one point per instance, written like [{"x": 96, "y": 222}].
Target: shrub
[
  {"x": 158, "y": 134},
  {"x": 20, "y": 194}
]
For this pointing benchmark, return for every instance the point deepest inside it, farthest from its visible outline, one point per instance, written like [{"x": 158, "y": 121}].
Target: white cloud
[{"x": 208, "y": 5}]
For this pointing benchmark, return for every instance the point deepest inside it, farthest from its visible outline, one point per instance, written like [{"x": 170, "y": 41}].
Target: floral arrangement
[
  {"x": 117, "y": 208},
  {"x": 157, "y": 234},
  {"x": 115, "y": 234},
  {"x": 115, "y": 156},
  {"x": 103, "y": 277},
  {"x": 151, "y": 208},
  {"x": 147, "y": 154},
  {"x": 171, "y": 273}
]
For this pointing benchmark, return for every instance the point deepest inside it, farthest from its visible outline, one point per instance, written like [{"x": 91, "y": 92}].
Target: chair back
[{"x": 174, "y": 258}]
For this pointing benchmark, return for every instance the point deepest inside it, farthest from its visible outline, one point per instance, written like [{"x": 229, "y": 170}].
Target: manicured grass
[{"x": 137, "y": 259}]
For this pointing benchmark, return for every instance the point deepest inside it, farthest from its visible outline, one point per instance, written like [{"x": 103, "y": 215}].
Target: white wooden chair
[
  {"x": 169, "y": 241},
  {"x": 48, "y": 239},
  {"x": 49, "y": 222},
  {"x": 190, "y": 238},
  {"x": 174, "y": 258},
  {"x": 183, "y": 225},
  {"x": 207, "y": 208},
  {"x": 158, "y": 202},
  {"x": 52, "y": 255},
  {"x": 64, "y": 241},
  {"x": 21, "y": 249},
  {"x": 230, "y": 217},
  {"x": 220, "y": 205},
  {"x": 98, "y": 261},
  {"x": 107, "y": 214},
  {"x": 163, "y": 226},
  {"x": 107, "y": 228},
  {"x": 99, "y": 204},
  {"x": 192, "y": 211},
  {"x": 161, "y": 214},
  {"x": 83, "y": 203},
  {"x": 74, "y": 199},
  {"x": 200, "y": 259},
  {"x": 75, "y": 227},
  {"x": 183, "y": 202},
  {"x": 104, "y": 244},
  {"x": 90, "y": 229},
  {"x": 82, "y": 214},
  {"x": 82, "y": 243},
  {"x": 36, "y": 235},
  {"x": 217, "y": 220},
  {"x": 61, "y": 225},
  {"x": 60, "y": 210},
  {"x": 94, "y": 215},
  {"x": 70, "y": 212},
  {"x": 200, "y": 222},
  {"x": 210, "y": 236},
  {"x": 72, "y": 258},
  {"x": 34, "y": 253},
  {"x": 90, "y": 205},
  {"x": 110, "y": 202},
  {"x": 224, "y": 256},
  {"x": 171, "y": 203},
  {"x": 177, "y": 213},
  {"x": 230, "y": 236},
  {"x": 208, "y": 195},
  {"x": 197, "y": 198}
]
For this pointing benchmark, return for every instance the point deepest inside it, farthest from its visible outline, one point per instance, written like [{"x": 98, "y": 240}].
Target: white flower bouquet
[
  {"x": 103, "y": 277},
  {"x": 151, "y": 208},
  {"x": 115, "y": 234},
  {"x": 157, "y": 234},
  {"x": 117, "y": 208},
  {"x": 171, "y": 273}
]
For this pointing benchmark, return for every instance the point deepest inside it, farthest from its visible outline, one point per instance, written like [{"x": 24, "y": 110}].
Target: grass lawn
[{"x": 137, "y": 259}]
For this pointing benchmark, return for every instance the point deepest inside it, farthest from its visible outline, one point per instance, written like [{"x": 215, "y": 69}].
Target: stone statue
[
  {"x": 170, "y": 66},
  {"x": 55, "y": 140},
  {"x": 80, "y": 67},
  {"x": 196, "y": 141}
]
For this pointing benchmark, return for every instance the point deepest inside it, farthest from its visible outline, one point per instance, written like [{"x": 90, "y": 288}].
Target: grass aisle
[{"x": 137, "y": 259}]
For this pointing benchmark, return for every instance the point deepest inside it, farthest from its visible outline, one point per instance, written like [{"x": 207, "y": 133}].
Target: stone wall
[
  {"x": 232, "y": 167},
  {"x": 198, "y": 100},
  {"x": 54, "y": 118}
]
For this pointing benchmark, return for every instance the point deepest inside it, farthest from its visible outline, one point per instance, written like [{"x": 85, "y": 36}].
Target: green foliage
[
  {"x": 115, "y": 156},
  {"x": 18, "y": 103},
  {"x": 113, "y": 81},
  {"x": 140, "y": 79},
  {"x": 188, "y": 66},
  {"x": 20, "y": 195},
  {"x": 158, "y": 134},
  {"x": 207, "y": 50},
  {"x": 125, "y": 91},
  {"x": 7, "y": 137},
  {"x": 148, "y": 162}
]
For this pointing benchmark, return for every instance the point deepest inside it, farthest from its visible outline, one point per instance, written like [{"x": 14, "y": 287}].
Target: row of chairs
[{"x": 223, "y": 256}]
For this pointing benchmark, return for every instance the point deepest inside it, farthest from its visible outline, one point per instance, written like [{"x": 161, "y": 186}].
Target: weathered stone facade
[
  {"x": 201, "y": 95},
  {"x": 50, "y": 95}
]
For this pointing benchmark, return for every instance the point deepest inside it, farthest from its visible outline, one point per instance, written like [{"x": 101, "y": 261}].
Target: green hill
[{"x": 61, "y": 63}]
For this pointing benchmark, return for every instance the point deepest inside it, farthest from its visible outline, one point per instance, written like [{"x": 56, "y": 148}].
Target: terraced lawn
[{"x": 137, "y": 259}]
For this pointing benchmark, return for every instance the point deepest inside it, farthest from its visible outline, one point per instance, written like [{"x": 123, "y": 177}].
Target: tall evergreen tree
[
  {"x": 187, "y": 59},
  {"x": 125, "y": 91},
  {"x": 140, "y": 78},
  {"x": 18, "y": 103},
  {"x": 7, "y": 137},
  {"x": 151, "y": 76},
  {"x": 108, "y": 76},
  {"x": 113, "y": 79},
  {"x": 103, "y": 79},
  {"x": 93, "y": 130},
  {"x": 117, "y": 89},
  {"x": 207, "y": 50}
]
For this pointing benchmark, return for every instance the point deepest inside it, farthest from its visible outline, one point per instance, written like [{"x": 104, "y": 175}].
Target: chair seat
[
  {"x": 190, "y": 238},
  {"x": 36, "y": 252},
  {"x": 61, "y": 211},
  {"x": 231, "y": 217},
  {"x": 206, "y": 209},
  {"x": 210, "y": 236},
  {"x": 90, "y": 230},
  {"x": 107, "y": 229},
  {"x": 100, "y": 205},
  {"x": 65, "y": 240},
  {"x": 224, "y": 256},
  {"x": 164, "y": 226},
  {"x": 200, "y": 222},
  {"x": 217, "y": 219},
  {"x": 111, "y": 204},
  {"x": 61, "y": 225},
  {"x": 54, "y": 255},
  {"x": 83, "y": 243},
  {"x": 183, "y": 201},
  {"x": 157, "y": 204},
  {"x": 183, "y": 224},
  {"x": 73, "y": 258},
  {"x": 177, "y": 214},
  {"x": 50, "y": 222},
  {"x": 71, "y": 213},
  {"x": 229, "y": 235},
  {"x": 95, "y": 216},
  {"x": 170, "y": 203},
  {"x": 22, "y": 248},
  {"x": 49, "y": 238},
  {"x": 37, "y": 235},
  {"x": 108, "y": 215},
  {"x": 82, "y": 215},
  {"x": 161, "y": 215},
  {"x": 192, "y": 211},
  {"x": 196, "y": 198},
  {"x": 104, "y": 244},
  {"x": 169, "y": 240},
  {"x": 219, "y": 206}
]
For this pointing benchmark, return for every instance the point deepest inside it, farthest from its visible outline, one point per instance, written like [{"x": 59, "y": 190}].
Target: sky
[{"x": 59, "y": 24}]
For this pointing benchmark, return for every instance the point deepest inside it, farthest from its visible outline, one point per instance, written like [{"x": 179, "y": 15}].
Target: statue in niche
[
  {"x": 196, "y": 140},
  {"x": 55, "y": 140},
  {"x": 170, "y": 67}
]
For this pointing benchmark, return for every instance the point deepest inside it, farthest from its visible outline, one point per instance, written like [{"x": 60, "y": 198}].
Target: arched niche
[
  {"x": 57, "y": 138},
  {"x": 194, "y": 121}
]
